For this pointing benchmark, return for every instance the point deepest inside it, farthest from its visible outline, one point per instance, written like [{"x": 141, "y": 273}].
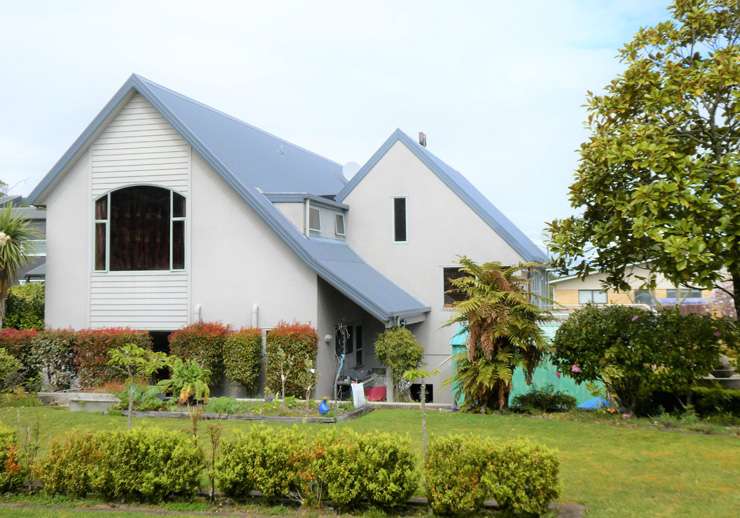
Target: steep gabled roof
[
  {"x": 460, "y": 186},
  {"x": 226, "y": 143}
]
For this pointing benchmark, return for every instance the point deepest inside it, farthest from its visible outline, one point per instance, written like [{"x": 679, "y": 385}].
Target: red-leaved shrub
[
  {"x": 18, "y": 343},
  {"x": 91, "y": 352},
  {"x": 299, "y": 342},
  {"x": 204, "y": 343}
]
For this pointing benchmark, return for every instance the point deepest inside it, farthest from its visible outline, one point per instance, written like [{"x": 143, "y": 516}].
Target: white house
[{"x": 166, "y": 211}]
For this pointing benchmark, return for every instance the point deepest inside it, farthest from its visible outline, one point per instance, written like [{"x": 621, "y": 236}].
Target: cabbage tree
[{"x": 15, "y": 234}]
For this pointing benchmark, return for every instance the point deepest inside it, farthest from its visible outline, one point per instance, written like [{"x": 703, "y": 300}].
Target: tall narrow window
[
  {"x": 451, "y": 294},
  {"x": 399, "y": 220},
  {"x": 339, "y": 225},
  {"x": 314, "y": 219},
  {"x": 140, "y": 228}
]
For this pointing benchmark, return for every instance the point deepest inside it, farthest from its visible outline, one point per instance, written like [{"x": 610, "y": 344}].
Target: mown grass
[{"x": 614, "y": 468}]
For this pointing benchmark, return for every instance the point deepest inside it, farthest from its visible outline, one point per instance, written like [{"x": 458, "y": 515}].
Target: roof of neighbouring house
[
  {"x": 39, "y": 271},
  {"x": 460, "y": 186},
  {"x": 253, "y": 162}
]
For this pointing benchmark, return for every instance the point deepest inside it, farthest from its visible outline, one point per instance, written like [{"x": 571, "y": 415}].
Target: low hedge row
[
  {"x": 242, "y": 355},
  {"x": 204, "y": 343},
  {"x": 347, "y": 469},
  {"x": 462, "y": 472}
]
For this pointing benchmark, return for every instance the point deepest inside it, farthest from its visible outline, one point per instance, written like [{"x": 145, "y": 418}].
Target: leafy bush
[
  {"x": 522, "y": 477},
  {"x": 349, "y": 469},
  {"x": 72, "y": 465},
  {"x": 710, "y": 401},
  {"x": 636, "y": 352},
  {"x": 453, "y": 474},
  {"x": 12, "y": 474},
  {"x": 9, "y": 371},
  {"x": 188, "y": 381},
  {"x": 290, "y": 346},
  {"x": 55, "y": 351},
  {"x": 24, "y": 307},
  {"x": 146, "y": 398},
  {"x": 544, "y": 400},
  {"x": 142, "y": 465},
  {"x": 398, "y": 349},
  {"x": 91, "y": 352},
  {"x": 225, "y": 406},
  {"x": 18, "y": 343},
  {"x": 460, "y": 473},
  {"x": 204, "y": 343},
  {"x": 242, "y": 354}
]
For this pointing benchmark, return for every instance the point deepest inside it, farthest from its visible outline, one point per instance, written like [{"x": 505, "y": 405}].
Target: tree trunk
[
  {"x": 736, "y": 292},
  {"x": 130, "y": 403},
  {"x": 424, "y": 438}
]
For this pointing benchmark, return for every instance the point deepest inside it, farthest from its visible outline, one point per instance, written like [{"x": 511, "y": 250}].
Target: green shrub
[
  {"x": 188, "y": 381},
  {"x": 91, "y": 353},
  {"x": 453, "y": 474},
  {"x": 348, "y": 469},
  {"x": 398, "y": 349},
  {"x": 546, "y": 399},
  {"x": 522, "y": 477},
  {"x": 24, "y": 307},
  {"x": 146, "y": 398},
  {"x": 242, "y": 355},
  {"x": 299, "y": 343},
  {"x": 635, "y": 352},
  {"x": 204, "y": 343},
  {"x": 225, "y": 406},
  {"x": 71, "y": 467},
  {"x": 461, "y": 472},
  {"x": 709, "y": 401},
  {"x": 18, "y": 343},
  {"x": 9, "y": 371},
  {"x": 140, "y": 465},
  {"x": 55, "y": 351},
  {"x": 12, "y": 474}
]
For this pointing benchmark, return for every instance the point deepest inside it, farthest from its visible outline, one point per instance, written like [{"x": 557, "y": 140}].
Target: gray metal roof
[
  {"x": 225, "y": 143},
  {"x": 39, "y": 271},
  {"x": 460, "y": 186}
]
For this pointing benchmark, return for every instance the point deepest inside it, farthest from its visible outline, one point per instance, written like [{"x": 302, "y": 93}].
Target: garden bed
[{"x": 352, "y": 414}]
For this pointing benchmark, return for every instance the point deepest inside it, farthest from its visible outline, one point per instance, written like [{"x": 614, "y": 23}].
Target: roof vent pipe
[{"x": 422, "y": 139}]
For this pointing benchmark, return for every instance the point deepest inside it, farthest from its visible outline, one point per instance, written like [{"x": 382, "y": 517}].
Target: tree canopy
[{"x": 657, "y": 181}]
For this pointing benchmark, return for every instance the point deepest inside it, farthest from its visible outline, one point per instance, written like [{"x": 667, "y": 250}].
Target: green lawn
[{"x": 613, "y": 468}]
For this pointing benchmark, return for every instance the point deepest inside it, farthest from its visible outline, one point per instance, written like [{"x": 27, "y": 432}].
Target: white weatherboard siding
[
  {"x": 139, "y": 147},
  {"x": 440, "y": 227}
]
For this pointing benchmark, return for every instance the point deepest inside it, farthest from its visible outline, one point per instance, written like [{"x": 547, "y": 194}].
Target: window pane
[
  {"x": 350, "y": 341},
  {"x": 178, "y": 205},
  {"x": 643, "y": 297},
  {"x": 399, "y": 219},
  {"x": 100, "y": 246},
  {"x": 694, "y": 294},
  {"x": 339, "y": 230},
  {"x": 451, "y": 295},
  {"x": 101, "y": 208},
  {"x": 178, "y": 245},
  {"x": 314, "y": 219},
  {"x": 584, "y": 297},
  {"x": 599, "y": 296},
  {"x": 140, "y": 229}
]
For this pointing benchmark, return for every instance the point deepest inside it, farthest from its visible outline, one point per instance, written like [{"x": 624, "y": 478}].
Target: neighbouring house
[
  {"x": 571, "y": 292},
  {"x": 166, "y": 211},
  {"x": 34, "y": 269}
]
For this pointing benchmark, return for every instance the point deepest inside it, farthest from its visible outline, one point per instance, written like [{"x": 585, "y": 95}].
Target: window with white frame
[
  {"x": 140, "y": 228},
  {"x": 683, "y": 293},
  {"x": 339, "y": 225},
  {"x": 592, "y": 297},
  {"x": 314, "y": 219}
]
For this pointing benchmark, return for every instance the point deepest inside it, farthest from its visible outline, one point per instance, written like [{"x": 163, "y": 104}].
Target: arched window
[{"x": 140, "y": 228}]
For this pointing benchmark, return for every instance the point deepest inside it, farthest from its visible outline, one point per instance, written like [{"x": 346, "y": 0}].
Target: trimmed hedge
[
  {"x": 349, "y": 469},
  {"x": 460, "y": 473},
  {"x": 24, "y": 307},
  {"x": 12, "y": 473},
  {"x": 300, "y": 343},
  {"x": 204, "y": 343},
  {"x": 398, "y": 349},
  {"x": 91, "y": 352},
  {"x": 18, "y": 343},
  {"x": 709, "y": 401},
  {"x": 55, "y": 351},
  {"x": 145, "y": 465},
  {"x": 9, "y": 371},
  {"x": 242, "y": 354}
]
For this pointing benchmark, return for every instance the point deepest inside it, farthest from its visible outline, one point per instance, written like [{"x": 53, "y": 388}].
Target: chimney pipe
[{"x": 422, "y": 139}]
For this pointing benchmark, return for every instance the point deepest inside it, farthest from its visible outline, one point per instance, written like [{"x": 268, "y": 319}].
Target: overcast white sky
[{"x": 497, "y": 86}]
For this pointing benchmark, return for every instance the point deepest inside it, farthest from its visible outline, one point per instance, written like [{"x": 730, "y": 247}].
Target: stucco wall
[
  {"x": 440, "y": 227},
  {"x": 68, "y": 252}
]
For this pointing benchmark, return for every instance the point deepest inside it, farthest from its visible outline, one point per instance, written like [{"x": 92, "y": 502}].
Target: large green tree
[
  {"x": 657, "y": 181},
  {"x": 15, "y": 232}
]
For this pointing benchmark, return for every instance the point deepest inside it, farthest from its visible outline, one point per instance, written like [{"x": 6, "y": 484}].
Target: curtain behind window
[{"x": 140, "y": 229}]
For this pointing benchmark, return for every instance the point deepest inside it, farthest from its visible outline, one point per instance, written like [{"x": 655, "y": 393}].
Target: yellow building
[{"x": 571, "y": 292}]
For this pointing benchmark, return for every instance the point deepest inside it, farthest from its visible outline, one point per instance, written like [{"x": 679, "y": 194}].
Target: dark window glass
[
  {"x": 415, "y": 392},
  {"x": 178, "y": 205},
  {"x": 358, "y": 345},
  {"x": 350, "y": 346},
  {"x": 178, "y": 245},
  {"x": 101, "y": 208},
  {"x": 399, "y": 219},
  {"x": 643, "y": 297},
  {"x": 452, "y": 295},
  {"x": 140, "y": 229},
  {"x": 100, "y": 246}
]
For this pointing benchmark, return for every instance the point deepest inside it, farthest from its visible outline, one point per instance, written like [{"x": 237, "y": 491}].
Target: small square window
[
  {"x": 339, "y": 225},
  {"x": 314, "y": 219}
]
